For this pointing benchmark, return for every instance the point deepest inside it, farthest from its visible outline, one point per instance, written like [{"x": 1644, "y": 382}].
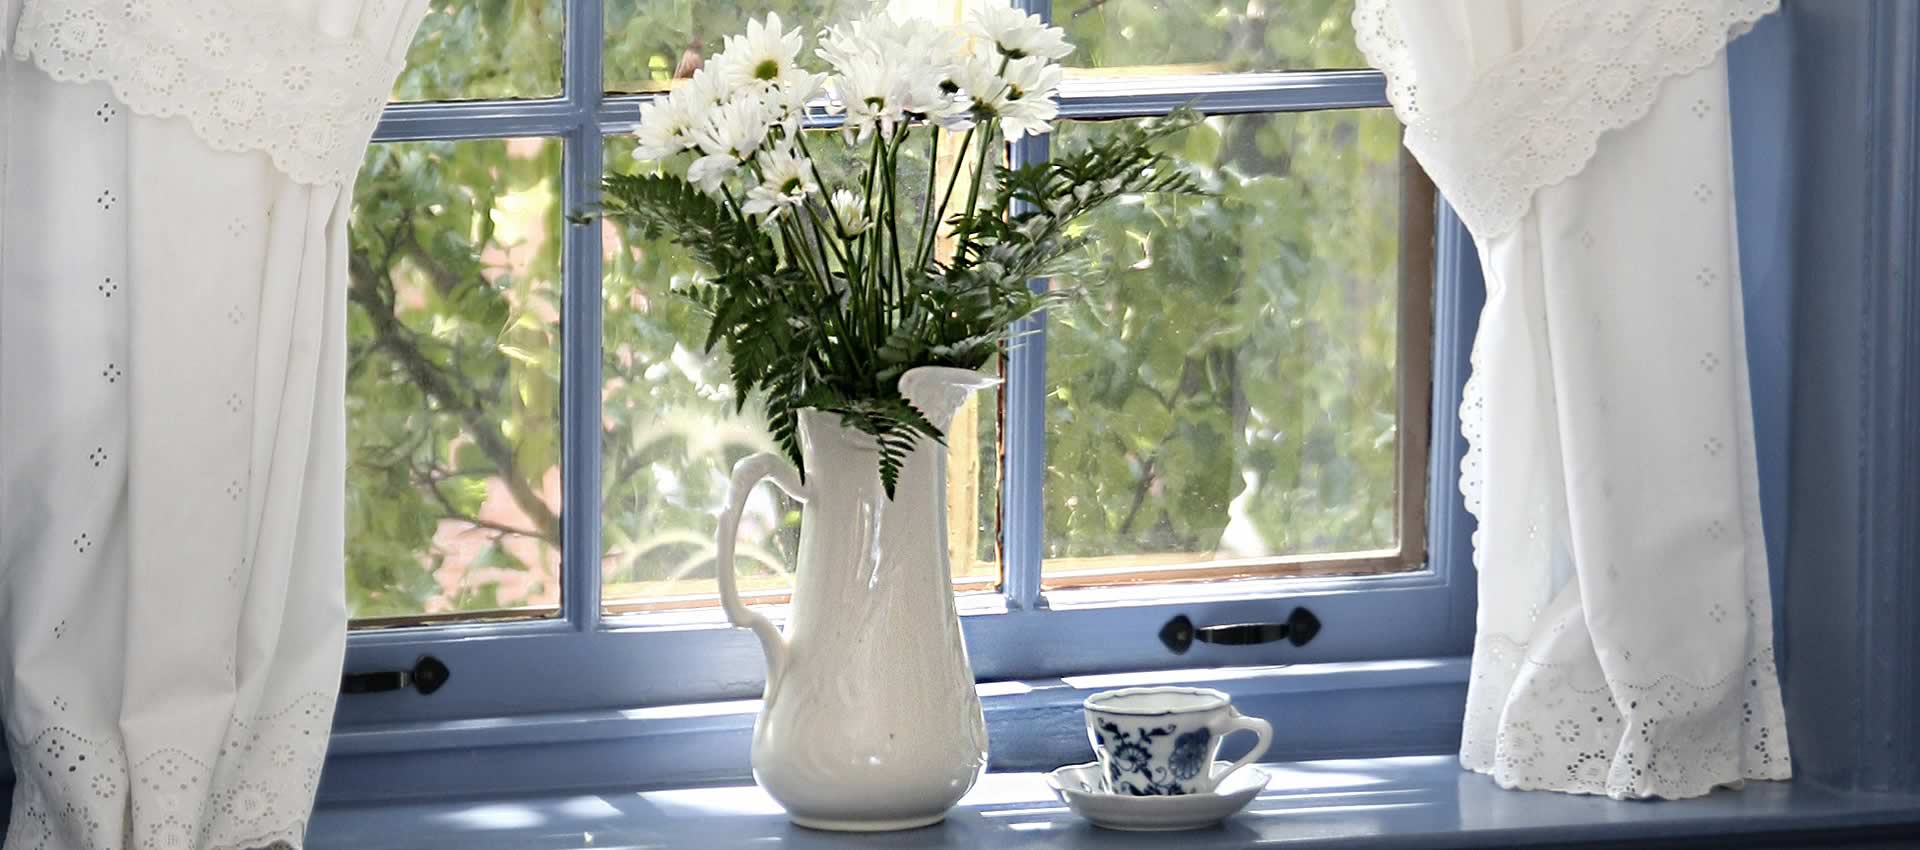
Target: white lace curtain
[
  {"x": 1624, "y": 643},
  {"x": 174, "y": 186}
]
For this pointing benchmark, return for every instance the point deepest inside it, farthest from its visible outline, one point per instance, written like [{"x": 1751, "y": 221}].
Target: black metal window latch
[
  {"x": 427, "y": 675},
  {"x": 1179, "y": 633}
]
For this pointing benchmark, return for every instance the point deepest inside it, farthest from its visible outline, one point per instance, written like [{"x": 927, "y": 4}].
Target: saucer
[{"x": 1079, "y": 787}]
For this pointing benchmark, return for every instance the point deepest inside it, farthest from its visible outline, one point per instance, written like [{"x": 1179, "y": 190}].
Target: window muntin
[{"x": 594, "y": 127}]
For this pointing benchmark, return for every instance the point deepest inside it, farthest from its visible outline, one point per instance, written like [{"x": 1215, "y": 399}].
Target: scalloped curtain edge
[
  {"x": 348, "y": 126},
  {"x": 1451, "y": 173}
]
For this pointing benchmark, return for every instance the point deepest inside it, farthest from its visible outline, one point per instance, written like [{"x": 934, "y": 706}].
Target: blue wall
[
  {"x": 1760, "y": 68},
  {"x": 1852, "y": 70}
]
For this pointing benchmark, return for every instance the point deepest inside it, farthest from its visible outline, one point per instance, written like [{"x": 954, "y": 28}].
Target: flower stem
[
  {"x": 973, "y": 192},
  {"x": 926, "y": 207},
  {"x": 926, "y": 250},
  {"x": 874, "y": 260},
  {"x": 800, "y": 139},
  {"x": 893, "y": 213}
]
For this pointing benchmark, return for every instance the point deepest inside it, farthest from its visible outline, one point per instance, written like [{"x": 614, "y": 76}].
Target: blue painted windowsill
[
  {"x": 1347, "y": 775},
  {"x": 1406, "y": 802}
]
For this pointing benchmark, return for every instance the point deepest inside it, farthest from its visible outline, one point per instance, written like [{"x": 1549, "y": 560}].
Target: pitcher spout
[{"x": 939, "y": 391}]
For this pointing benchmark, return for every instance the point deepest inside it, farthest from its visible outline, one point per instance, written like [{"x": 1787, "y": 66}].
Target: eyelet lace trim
[
  {"x": 73, "y": 791},
  {"x": 246, "y": 76},
  {"x": 1536, "y": 119},
  {"x": 1473, "y": 430},
  {"x": 1671, "y": 739}
]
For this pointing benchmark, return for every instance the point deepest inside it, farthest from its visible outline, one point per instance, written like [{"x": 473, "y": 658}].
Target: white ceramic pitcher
[{"x": 870, "y": 721}]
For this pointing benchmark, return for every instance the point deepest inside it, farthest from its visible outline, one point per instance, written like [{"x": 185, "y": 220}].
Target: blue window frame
[{"x": 586, "y": 658}]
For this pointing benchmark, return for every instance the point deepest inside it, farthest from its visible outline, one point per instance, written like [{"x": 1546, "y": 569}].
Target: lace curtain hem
[
  {"x": 1670, "y": 740},
  {"x": 1536, "y": 118},
  {"x": 74, "y": 791},
  {"x": 246, "y": 78},
  {"x": 1473, "y": 431}
]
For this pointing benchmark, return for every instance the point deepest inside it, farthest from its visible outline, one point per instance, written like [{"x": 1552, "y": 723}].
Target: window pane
[
  {"x": 1227, "y": 390},
  {"x": 671, "y": 437},
  {"x": 485, "y": 49},
  {"x": 453, "y": 382},
  {"x": 653, "y": 42},
  {"x": 1195, "y": 36}
]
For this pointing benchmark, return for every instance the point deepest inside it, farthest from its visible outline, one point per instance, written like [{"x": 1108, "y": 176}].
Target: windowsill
[
  {"x": 1319, "y": 711},
  {"x": 1405, "y": 802},
  {"x": 1343, "y": 778}
]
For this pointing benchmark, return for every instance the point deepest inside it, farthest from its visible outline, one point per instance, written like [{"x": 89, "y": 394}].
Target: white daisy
[
  {"x": 980, "y": 79},
  {"x": 728, "y": 136},
  {"x": 786, "y": 179},
  {"x": 1028, "y": 105},
  {"x": 932, "y": 85},
  {"x": 665, "y": 126},
  {"x": 1017, "y": 34},
  {"x": 872, "y": 93},
  {"x": 840, "y": 44},
  {"x": 924, "y": 54},
  {"x": 736, "y": 128},
  {"x": 707, "y": 88},
  {"x": 787, "y": 101},
  {"x": 849, "y": 213},
  {"x": 762, "y": 55}
]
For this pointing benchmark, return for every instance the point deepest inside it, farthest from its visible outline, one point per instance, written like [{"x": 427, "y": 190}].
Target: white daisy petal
[
  {"x": 665, "y": 125},
  {"x": 736, "y": 128},
  {"x": 1017, "y": 34},
  {"x": 709, "y": 172},
  {"x": 762, "y": 55},
  {"x": 786, "y": 180}
]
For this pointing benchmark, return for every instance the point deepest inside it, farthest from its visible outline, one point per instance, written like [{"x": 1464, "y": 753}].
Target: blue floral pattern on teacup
[
  {"x": 1190, "y": 753},
  {"x": 1130, "y": 763}
]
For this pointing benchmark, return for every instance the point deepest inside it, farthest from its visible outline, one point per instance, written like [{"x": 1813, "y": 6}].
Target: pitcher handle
[{"x": 747, "y": 473}]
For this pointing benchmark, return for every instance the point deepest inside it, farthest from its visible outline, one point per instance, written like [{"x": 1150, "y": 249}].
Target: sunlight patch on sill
[
  {"x": 713, "y": 802},
  {"x": 494, "y": 816},
  {"x": 588, "y": 808}
]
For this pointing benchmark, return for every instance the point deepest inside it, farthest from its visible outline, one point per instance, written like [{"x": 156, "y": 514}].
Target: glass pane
[
  {"x": 1196, "y": 36},
  {"x": 485, "y": 49},
  {"x": 453, "y": 382},
  {"x": 671, "y": 436},
  {"x": 650, "y": 43},
  {"x": 1227, "y": 390}
]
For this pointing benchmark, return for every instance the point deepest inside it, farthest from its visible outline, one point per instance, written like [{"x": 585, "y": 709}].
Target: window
[{"x": 1237, "y": 417}]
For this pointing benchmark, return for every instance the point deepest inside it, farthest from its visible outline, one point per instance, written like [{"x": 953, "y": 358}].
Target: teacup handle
[{"x": 1237, "y": 722}]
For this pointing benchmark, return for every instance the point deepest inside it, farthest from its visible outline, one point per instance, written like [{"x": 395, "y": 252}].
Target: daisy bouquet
[{"x": 837, "y": 261}]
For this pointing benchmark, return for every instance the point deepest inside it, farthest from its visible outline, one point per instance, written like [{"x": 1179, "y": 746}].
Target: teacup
[{"x": 1155, "y": 742}]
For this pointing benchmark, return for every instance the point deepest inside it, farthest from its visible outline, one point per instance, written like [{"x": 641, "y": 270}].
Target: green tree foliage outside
[
  {"x": 1230, "y": 377},
  {"x": 1228, "y": 387}
]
